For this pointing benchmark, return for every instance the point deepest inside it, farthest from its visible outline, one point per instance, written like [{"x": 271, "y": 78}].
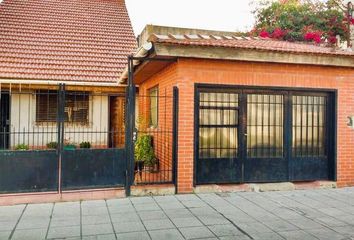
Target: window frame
[
  {"x": 39, "y": 93},
  {"x": 150, "y": 91}
]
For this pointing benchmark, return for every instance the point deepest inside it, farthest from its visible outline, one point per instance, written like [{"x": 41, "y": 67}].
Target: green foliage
[
  {"x": 85, "y": 145},
  {"x": 300, "y": 21},
  {"x": 21, "y": 147},
  {"x": 144, "y": 151},
  {"x": 52, "y": 145}
]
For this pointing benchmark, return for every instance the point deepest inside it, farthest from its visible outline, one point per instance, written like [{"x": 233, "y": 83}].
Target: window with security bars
[
  {"x": 308, "y": 136},
  {"x": 264, "y": 126},
  {"x": 154, "y": 106},
  {"x": 76, "y": 107},
  {"x": 218, "y": 125}
]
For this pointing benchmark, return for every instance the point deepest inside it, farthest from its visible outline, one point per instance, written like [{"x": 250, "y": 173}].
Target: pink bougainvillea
[
  {"x": 278, "y": 33},
  {"x": 294, "y": 20},
  {"x": 313, "y": 36},
  {"x": 264, "y": 34},
  {"x": 332, "y": 40}
]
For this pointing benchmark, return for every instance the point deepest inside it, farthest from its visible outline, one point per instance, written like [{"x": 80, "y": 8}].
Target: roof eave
[
  {"x": 54, "y": 82},
  {"x": 253, "y": 55}
]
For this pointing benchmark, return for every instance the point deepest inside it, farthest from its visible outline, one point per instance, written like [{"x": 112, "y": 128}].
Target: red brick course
[{"x": 186, "y": 72}]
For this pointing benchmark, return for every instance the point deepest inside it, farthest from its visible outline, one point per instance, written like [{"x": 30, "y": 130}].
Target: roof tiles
[
  {"x": 265, "y": 44},
  {"x": 71, "y": 40}
]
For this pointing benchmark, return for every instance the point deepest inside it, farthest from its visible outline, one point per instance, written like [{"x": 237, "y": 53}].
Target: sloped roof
[
  {"x": 64, "y": 40},
  {"x": 248, "y": 43}
]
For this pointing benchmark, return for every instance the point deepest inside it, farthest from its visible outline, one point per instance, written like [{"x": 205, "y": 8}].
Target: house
[
  {"x": 250, "y": 110},
  {"x": 60, "y": 62}
]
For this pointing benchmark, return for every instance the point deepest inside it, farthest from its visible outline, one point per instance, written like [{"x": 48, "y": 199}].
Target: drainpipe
[{"x": 142, "y": 52}]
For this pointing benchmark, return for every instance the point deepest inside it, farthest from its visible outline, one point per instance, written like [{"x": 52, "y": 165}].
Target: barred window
[
  {"x": 76, "y": 107},
  {"x": 218, "y": 125}
]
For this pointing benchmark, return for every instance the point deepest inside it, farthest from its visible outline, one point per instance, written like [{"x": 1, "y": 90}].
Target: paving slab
[
  {"x": 133, "y": 236},
  {"x": 196, "y": 232},
  {"x": 225, "y": 230},
  {"x": 100, "y": 237},
  {"x": 187, "y": 222},
  {"x": 97, "y": 229},
  {"x": 65, "y": 221},
  {"x": 170, "y": 234},
  {"x": 30, "y": 234},
  {"x": 5, "y": 234},
  {"x": 64, "y": 232},
  {"x": 158, "y": 224},
  {"x": 125, "y": 227}
]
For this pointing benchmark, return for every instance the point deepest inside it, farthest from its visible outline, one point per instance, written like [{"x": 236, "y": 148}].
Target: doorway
[
  {"x": 252, "y": 135},
  {"x": 4, "y": 120}
]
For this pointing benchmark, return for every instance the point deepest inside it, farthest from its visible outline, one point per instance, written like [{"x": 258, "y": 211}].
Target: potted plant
[
  {"x": 144, "y": 153},
  {"x": 21, "y": 147},
  {"x": 69, "y": 145},
  {"x": 85, "y": 145}
]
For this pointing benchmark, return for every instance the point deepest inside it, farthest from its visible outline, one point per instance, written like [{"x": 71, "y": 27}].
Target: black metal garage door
[{"x": 245, "y": 135}]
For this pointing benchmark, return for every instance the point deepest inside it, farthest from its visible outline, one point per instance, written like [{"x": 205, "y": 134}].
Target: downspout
[{"x": 141, "y": 52}]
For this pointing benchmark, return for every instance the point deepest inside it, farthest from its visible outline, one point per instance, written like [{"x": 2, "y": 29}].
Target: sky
[{"x": 223, "y": 15}]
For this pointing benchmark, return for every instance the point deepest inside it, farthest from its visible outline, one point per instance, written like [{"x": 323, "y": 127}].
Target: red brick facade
[{"x": 186, "y": 72}]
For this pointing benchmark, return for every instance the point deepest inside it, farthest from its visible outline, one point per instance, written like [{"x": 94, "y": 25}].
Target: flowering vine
[{"x": 294, "y": 20}]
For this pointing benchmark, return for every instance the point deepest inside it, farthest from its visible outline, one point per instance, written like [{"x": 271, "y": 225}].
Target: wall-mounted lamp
[{"x": 350, "y": 122}]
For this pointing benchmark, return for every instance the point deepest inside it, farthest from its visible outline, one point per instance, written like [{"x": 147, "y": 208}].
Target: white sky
[{"x": 224, "y": 15}]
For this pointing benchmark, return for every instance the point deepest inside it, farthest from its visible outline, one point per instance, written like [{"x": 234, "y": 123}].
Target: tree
[{"x": 306, "y": 20}]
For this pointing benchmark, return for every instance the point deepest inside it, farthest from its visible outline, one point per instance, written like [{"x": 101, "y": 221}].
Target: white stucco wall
[{"x": 23, "y": 120}]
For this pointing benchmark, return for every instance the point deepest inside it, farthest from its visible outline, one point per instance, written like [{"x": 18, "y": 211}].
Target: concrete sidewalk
[{"x": 308, "y": 214}]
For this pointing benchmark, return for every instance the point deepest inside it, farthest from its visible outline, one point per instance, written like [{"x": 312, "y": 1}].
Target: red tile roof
[
  {"x": 248, "y": 43},
  {"x": 64, "y": 40}
]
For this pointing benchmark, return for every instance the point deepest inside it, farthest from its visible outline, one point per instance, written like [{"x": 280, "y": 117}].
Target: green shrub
[
  {"x": 144, "y": 151},
  {"x": 21, "y": 147},
  {"x": 85, "y": 145},
  {"x": 52, "y": 145}
]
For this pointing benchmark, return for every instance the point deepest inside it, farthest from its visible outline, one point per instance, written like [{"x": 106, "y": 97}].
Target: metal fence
[
  {"x": 55, "y": 139},
  {"x": 156, "y": 121}
]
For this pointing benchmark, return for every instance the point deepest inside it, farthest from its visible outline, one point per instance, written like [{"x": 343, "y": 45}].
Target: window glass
[
  {"x": 154, "y": 103},
  {"x": 264, "y": 126},
  {"x": 218, "y": 125},
  {"x": 308, "y": 126},
  {"x": 76, "y": 107}
]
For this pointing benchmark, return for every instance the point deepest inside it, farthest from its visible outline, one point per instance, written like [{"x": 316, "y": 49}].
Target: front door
[
  {"x": 264, "y": 141},
  {"x": 4, "y": 120},
  {"x": 220, "y": 134},
  {"x": 248, "y": 135}
]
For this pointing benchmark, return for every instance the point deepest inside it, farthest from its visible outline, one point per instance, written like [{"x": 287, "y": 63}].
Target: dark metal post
[
  {"x": 175, "y": 137},
  {"x": 288, "y": 132},
  {"x": 349, "y": 17},
  {"x": 60, "y": 125},
  {"x": 130, "y": 126}
]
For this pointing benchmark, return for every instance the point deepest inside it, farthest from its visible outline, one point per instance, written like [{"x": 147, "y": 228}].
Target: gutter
[
  {"x": 141, "y": 52},
  {"x": 50, "y": 82}
]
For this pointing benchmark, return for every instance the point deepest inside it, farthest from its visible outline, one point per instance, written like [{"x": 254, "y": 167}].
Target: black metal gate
[
  {"x": 248, "y": 135},
  {"x": 58, "y": 139}
]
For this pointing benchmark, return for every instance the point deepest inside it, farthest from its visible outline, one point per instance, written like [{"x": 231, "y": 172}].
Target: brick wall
[
  {"x": 163, "y": 133},
  {"x": 187, "y": 72}
]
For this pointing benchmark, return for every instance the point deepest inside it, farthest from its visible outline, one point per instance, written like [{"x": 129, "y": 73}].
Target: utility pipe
[{"x": 142, "y": 52}]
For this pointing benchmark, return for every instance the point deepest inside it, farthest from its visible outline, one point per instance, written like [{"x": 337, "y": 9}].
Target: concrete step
[{"x": 264, "y": 187}]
